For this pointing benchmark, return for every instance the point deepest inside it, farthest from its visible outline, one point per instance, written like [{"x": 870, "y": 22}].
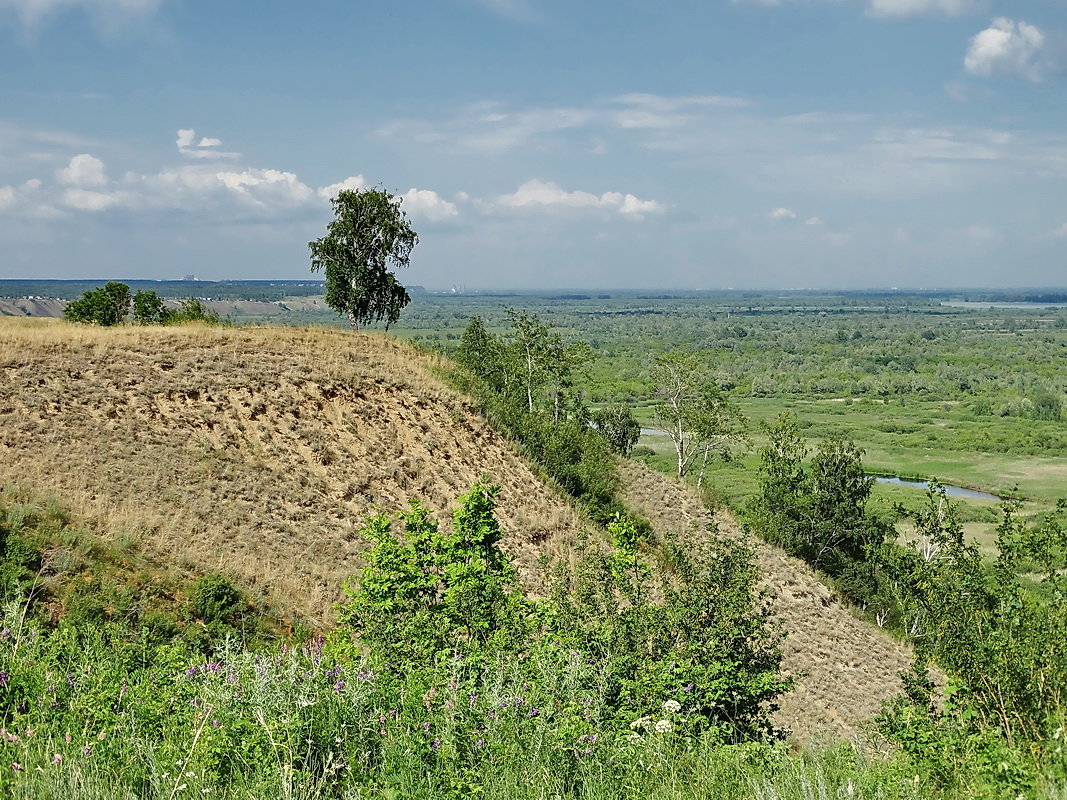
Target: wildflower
[
  {"x": 339, "y": 687},
  {"x": 192, "y": 671},
  {"x": 426, "y": 726},
  {"x": 688, "y": 687},
  {"x": 534, "y": 712},
  {"x": 663, "y": 726},
  {"x": 480, "y": 744},
  {"x": 216, "y": 724},
  {"x": 57, "y": 758},
  {"x": 16, "y": 766},
  {"x": 3, "y": 678},
  {"x": 5, "y": 634},
  {"x": 436, "y": 745},
  {"x": 640, "y": 723},
  {"x": 672, "y": 706}
]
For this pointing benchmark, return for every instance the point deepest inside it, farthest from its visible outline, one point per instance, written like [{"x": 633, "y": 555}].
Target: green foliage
[
  {"x": 429, "y": 591},
  {"x": 191, "y": 310},
  {"x": 819, "y": 512},
  {"x": 148, "y": 308},
  {"x": 213, "y": 598},
  {"x": 524, "y": 380},
  {"x": 369, "y": 236},
  {"x": 694, "y": 412},
  {"x": 699, "y": 638},
  {"x": 617, "y": 425},
  {"x": 106, "y": 306},
  {"x": 1004, "y": 643}
]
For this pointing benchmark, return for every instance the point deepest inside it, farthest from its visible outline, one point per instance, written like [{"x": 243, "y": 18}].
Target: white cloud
[
  {"x": 428, "y": 205},
  {"x": 814, "y": 221},
  {"x": 896, "y": 8},
  {"x": 7, "y": 197},
  {"x": 909, "y": 8},
  {"x": 84, "y": 170},
  {"x": 535, "y": 193},
  {"x": 1008, "y": 47},
  {"x": 512, "y": 9},
  {"x": 86, "y": 200},
  {"x": 660, "y": 111},
  {"x": 111, "y": 13},
  {"x": 190, "y": 148},
  {"x": 330, "y": 192},
  {"x": 783, "y": 214},
  {"x": 1061, "y": 232},
  {"x": 489, "y": 127}
]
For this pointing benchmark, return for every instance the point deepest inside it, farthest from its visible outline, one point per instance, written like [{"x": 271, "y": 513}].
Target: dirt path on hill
[{"x": 845, "y": 667}]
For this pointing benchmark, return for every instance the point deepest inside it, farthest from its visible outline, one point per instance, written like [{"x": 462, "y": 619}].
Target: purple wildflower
[
  {"x": 3, "y": 678},
  {"x": 534, "y": 712},
  {"x": 436, "y": 744},
  {"x": 339, "y": 687}
]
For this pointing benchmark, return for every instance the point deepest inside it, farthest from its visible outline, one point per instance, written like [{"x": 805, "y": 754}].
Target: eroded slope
[
  {"x": 256, "y": 451},
  {"x": 845, "y": 667}
]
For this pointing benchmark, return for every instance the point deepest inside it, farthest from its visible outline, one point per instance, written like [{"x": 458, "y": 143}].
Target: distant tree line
[{"x": 112, "y": 304}]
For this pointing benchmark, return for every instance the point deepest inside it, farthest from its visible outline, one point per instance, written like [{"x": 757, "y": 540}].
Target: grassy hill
[{"x": 258, "y": 452}]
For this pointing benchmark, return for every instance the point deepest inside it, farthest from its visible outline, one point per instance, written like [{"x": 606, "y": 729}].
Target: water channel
[{"x": 951, "y": 491}]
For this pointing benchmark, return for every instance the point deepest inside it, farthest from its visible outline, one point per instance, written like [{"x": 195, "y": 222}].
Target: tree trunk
[{"x": 352, "y": 322}]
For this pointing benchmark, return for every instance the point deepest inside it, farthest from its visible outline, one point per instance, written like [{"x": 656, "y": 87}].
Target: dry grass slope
[
  {"x": 255, "y": 451},
  {"x": 845, "y": 666}
]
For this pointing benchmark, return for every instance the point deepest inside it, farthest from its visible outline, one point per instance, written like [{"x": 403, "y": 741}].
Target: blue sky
[{"x": 541, "y": 143}]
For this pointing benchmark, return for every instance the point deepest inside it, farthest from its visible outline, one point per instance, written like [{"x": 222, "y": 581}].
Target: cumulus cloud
[
  {"x": 83, "y": 170},
  {"x": 536, "y": 193},
  {"x": 910, "y": 8},
  {"x": 353, "y": 182},
  {"x": 86, "y": 200},
  {"x": 783, "y": 214},
  {"x": 195, "y": 187},
  {"x": 1007, "y": 47},
  {"x": 428, "y": 205}
]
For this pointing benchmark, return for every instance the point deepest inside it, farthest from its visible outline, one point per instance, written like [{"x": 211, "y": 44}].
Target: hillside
[
  {"x": 255, "y": 451},
  {"x": 260, "y": 451}
]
